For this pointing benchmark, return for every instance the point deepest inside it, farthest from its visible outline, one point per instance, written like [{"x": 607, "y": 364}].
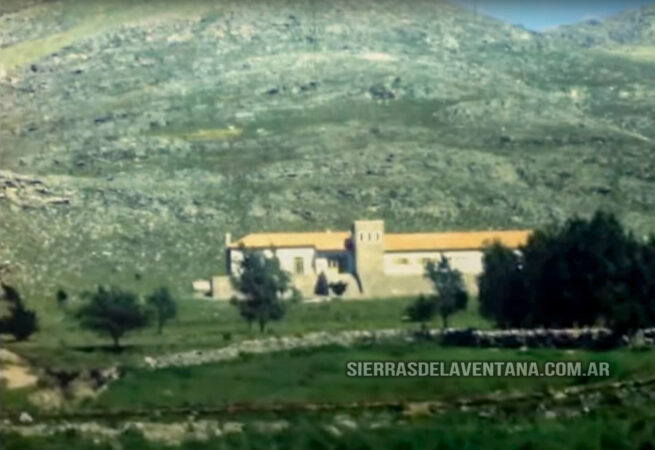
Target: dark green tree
[
  {"x": 112, "y": 312},
  {"x": 503, "y": 294},
  {"x": 574, "y": 272},
  {"x": 262, "y": 283},
  {"x": 20, "y": 322},
  {"x": 164, "y": 306},
  {"x": 451, "y": 295},
  {"x": 632, "y": 303},
  {"x": 422, "y": 310},
  {"x": 585, "y": 272}
]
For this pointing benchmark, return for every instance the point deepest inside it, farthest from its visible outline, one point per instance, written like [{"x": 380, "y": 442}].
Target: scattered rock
[{"x": 25, "y": 417}]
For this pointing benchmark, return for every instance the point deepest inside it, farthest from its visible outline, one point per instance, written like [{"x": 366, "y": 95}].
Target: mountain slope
[
  {"x": 130, "y": 148},
  {"x": 634, "y": 27}
]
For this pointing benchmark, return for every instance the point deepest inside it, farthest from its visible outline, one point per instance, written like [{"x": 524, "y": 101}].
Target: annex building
[{"x": 372, "y": 263}]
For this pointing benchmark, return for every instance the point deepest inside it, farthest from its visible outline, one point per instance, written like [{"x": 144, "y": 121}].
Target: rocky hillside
[
  {"x": 632, "y": 27},
  {"x": 132, "y": 137}
]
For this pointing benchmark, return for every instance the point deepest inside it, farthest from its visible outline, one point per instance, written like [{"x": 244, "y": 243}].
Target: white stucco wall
[
  {"x": 413, "y": 263},
  {"x": 287, "y": 257}
]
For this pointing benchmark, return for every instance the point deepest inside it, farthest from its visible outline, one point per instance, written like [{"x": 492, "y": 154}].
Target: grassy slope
[{"x": 165, "y": 133}]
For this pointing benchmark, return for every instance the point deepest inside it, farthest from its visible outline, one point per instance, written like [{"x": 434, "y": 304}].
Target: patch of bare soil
[{"x": 15, "y": 372}]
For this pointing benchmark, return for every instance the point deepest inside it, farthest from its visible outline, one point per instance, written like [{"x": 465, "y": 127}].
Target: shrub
[
  {"x": 338, "y": 288},
  {"x": 422, "y": 310},
  {"x": 112, "y": 312},
  {"x": 61, "y": 297}
]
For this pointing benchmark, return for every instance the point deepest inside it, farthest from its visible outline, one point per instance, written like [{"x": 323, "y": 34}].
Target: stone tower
[{"x": 368, "y": 248}]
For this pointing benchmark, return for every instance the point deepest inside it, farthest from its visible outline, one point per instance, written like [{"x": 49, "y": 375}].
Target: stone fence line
[{"x": 588, "y": 338}]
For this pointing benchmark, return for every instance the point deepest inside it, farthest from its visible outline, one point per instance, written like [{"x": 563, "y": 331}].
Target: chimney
[{"x": 228, "y": 239}]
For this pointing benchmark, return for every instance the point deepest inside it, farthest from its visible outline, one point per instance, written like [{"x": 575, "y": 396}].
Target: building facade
[{"x": 371, "y": 262}]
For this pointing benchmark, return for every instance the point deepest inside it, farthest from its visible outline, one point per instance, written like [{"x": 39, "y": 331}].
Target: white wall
[
  {"x": 286, "y": 257},
  {"x": 413, "y": 263}
]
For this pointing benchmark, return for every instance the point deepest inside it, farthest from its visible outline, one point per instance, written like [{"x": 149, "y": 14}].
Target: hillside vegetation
[{"x": 133, "y": 137}]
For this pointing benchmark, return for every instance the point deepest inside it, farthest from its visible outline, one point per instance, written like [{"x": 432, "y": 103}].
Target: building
[{"x": 372, "y": 263}]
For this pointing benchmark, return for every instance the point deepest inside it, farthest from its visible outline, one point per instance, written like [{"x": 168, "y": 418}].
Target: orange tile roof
[
  {"x": 393, "y": 242},
  {"x": 327, "y": 240},
  {"x": 453, "y": 240}
]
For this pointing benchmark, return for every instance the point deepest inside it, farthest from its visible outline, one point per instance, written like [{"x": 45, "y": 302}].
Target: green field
[
  {"x": 619, "y": 429},
  {"x": 208, "y": 323},
  {"x": 318, "y": 376}
]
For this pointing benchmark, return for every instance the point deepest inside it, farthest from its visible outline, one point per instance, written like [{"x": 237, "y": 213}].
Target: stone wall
[{"x": 591, "y": 338}]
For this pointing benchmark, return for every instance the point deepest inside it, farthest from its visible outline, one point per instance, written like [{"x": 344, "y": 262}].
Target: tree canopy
[
  {"x": 112, "y": 312},
  {"x": 20, "y": 322},
  {"x": 585, "y": 272},
  {"x": 262, "y": 282},
  {"x": 164, "y": 306},
  {"x": 451, "y": 295}
]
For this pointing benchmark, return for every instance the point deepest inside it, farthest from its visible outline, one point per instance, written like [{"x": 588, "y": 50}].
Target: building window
[
  {"x": 401, "y": 261},
  {"x": 299, "y": 264}
]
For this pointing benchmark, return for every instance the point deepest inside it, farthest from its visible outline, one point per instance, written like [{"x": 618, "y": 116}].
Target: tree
[
  {"x": 21, "y": 322},
  {"x": 322, "y": 287},
  {"x": 61, "y": 297},
  {"x": 502, "y": 291},
  {"x": 112, "y": 312},
  {"x": 633, "y": 302},
  {"x": 574, "y": 270},
  {"x": 451, "y": 295},
  {"x": 164, "y": 306},
  {"x": 422, "y": 310},
  {"x": 262, "y": 282},
  {"x": 585, "y": 272},
  {"x": 338, "y": 288}
]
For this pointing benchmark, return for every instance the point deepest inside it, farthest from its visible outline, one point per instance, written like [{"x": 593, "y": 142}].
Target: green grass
[
  {"x": 319, "y": 376},
  {"x": 203, "y": 323},
  {"x": 622, "y": 428}
]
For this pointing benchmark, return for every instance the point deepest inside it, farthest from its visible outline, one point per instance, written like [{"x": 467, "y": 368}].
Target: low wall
[{"x": 591, "y": 338}]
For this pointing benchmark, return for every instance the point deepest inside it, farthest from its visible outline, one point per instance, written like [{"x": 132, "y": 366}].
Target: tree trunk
[
  {"x": 160, "y": 325},
  {"x": 262, "y": 325},
  {"x": 444, "y": 318},
  {"x": 117, "y": 345}
]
